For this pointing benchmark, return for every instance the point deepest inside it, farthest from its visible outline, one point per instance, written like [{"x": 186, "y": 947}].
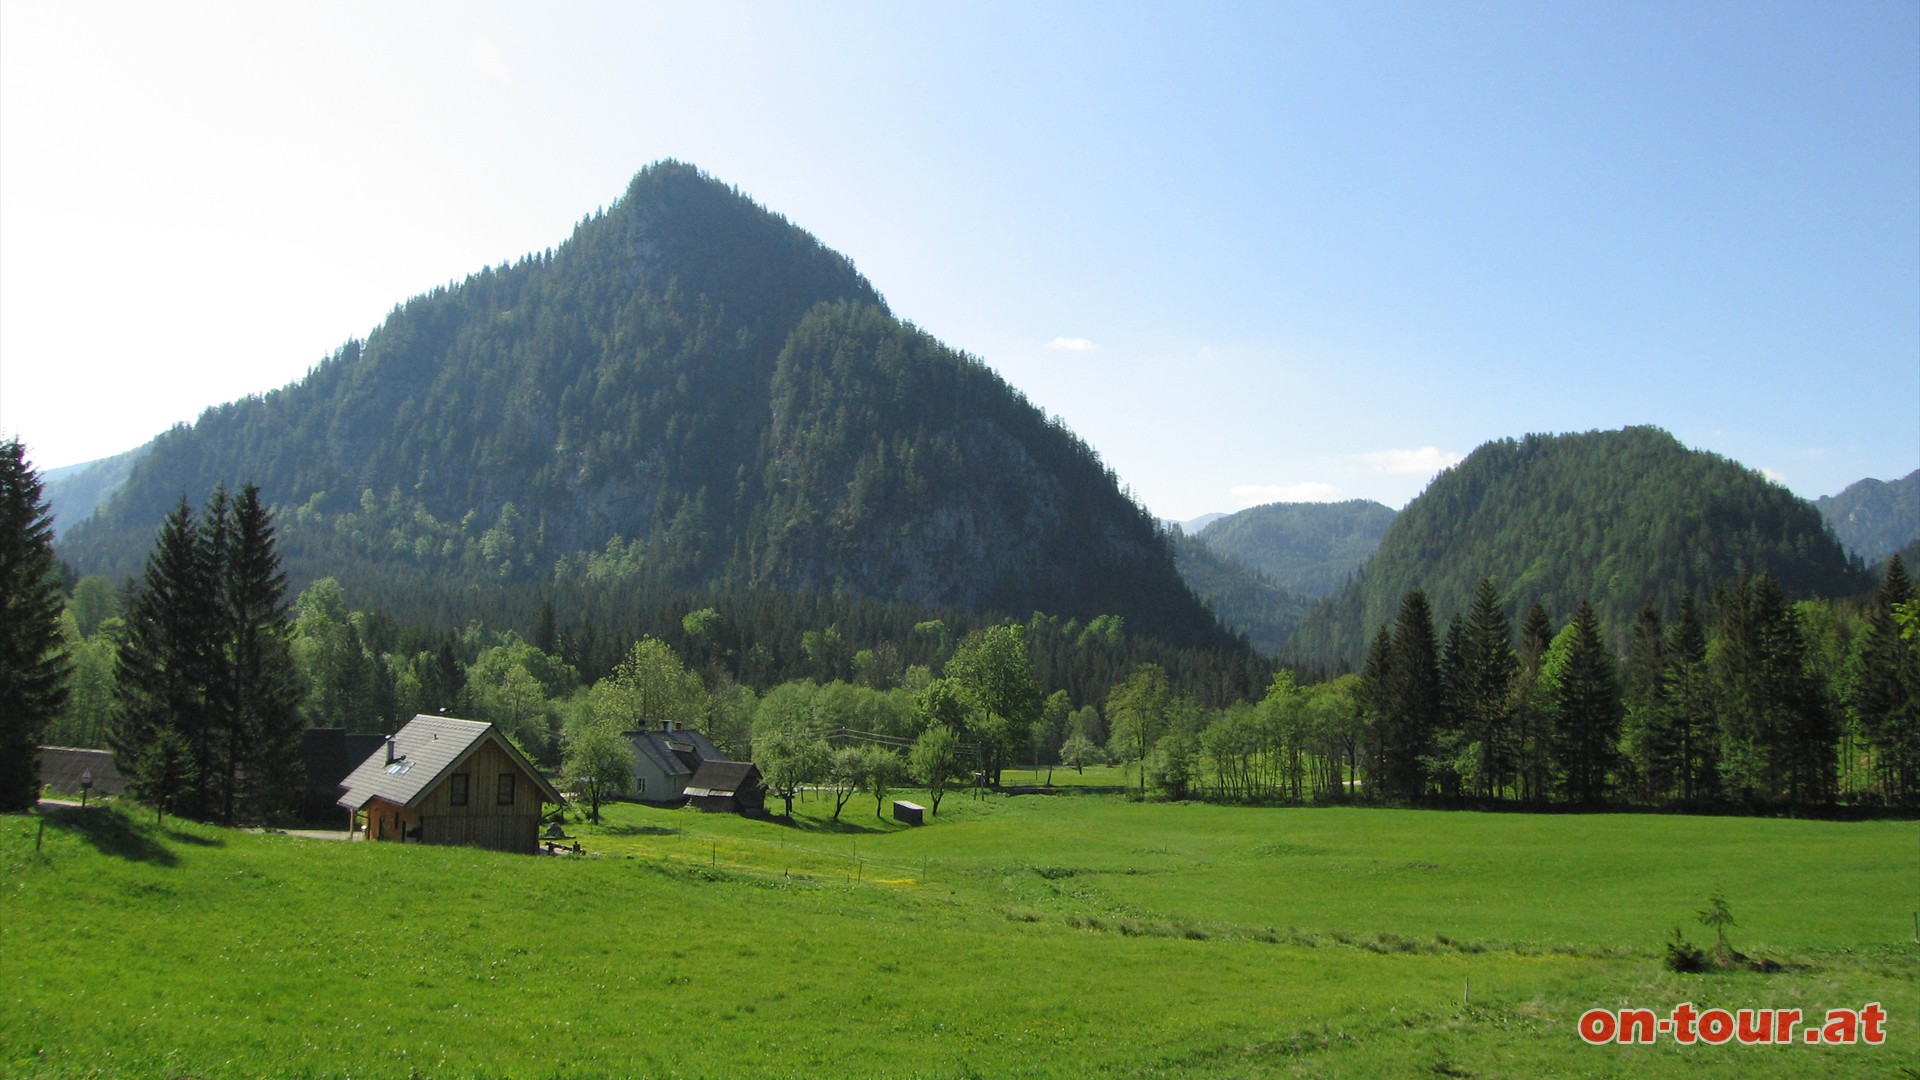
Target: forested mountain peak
[
  {"x": 1618, "y": 518},
  {"x": 1310, "y": 548},
  {"x": 689, "y": 390}
]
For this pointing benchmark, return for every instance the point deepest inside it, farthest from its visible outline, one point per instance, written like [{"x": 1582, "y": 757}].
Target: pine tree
[
  {"x": 33, "y": 661},
  {"x": 1586, "y": 709},
  {"x": 1530, "y": 705},
  {"x": 1483, "y": 695},
  {"x": 1648, "y": 757},
  {"x": 207, "y": 658},
  {"x": 1779, "y": 737},
  {"x": 167, "y": 662},
  {"x": 263, "y": 697},
  {"x": 1410, "y": 712},
  {"x": 1886, "y": 692},
  {"x": 1373, "y": 693},
  {"x": 1688, "y": 695}
]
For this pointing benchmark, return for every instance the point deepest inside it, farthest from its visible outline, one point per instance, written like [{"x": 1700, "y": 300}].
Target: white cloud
[
  {"x": 484, "y": 57},
  {"x": 1304, "y": 491},
  {"x": 1774, "y": 475},
  {"x": 1072, "y": 344},
  {"x": 1422, "y": 462}
]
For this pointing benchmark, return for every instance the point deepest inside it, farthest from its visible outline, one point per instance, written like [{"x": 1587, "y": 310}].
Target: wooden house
[
  {"x": 731, "y": 787},
  {"x": 444, "y": 781}
]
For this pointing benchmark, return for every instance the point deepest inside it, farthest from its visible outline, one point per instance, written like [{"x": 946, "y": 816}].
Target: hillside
[
  {"x": 690, "y": 391},
  {"x": 76, "y": 491},
  {"x": 1875, "y": 518},
  {"x": 1247, "y": 601},
  {"x": 1309, "y": 548},
  {"x": 1622, "y": 518}
]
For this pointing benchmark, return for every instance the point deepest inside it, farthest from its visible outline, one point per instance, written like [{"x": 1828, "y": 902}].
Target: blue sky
[{"x": 1248, "y": 252}]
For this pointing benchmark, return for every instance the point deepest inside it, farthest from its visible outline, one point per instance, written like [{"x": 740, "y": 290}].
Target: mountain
[
  {"x": 1308, "y": 548},
  {"x": 1621, "y": 518},
  {"x": 1193, "y": 526},
  {"x": 74, "y": 492},
  {"x": 691, "y": 391},
  {"x": 1247, "y": 601},
  {"x": 1875, "y": 518}
]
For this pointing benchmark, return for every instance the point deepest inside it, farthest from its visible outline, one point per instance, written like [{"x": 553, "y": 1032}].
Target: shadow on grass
[
  {"x": 851, "y": 826},
  {"x": 111, "y": 832},
  {"x": 179, "y": 837},
  {"x": 638, "y": 830}
]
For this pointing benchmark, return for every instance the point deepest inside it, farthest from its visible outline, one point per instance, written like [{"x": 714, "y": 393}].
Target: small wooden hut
[
  {"x": 728, "y": 787},
  {"x": 444, "y": 781}
]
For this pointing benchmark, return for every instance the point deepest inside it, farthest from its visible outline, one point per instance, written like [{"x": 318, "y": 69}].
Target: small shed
[
  {"x": 911, "y": 813},
  {"x": 731, "y": 787},
  {"x": 439, "y": 780}
]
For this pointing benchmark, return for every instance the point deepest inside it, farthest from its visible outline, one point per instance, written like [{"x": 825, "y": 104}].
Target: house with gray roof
[
  {"x": 439, "y": 780},
  {"x": 665, "y": 760}
]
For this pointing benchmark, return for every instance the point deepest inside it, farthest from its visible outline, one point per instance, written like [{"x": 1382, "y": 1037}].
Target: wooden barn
[
  {"x": 444, "y": 781},
  {"x": 729, "y": 787}
]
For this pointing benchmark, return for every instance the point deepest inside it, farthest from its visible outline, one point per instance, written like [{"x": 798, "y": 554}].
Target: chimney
[{"x": 389, "y": 749}]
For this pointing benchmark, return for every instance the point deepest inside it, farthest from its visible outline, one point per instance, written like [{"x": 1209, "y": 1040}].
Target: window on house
[
  {"x": 505, "y": 795},
  {"x": 457, "y": 789}
]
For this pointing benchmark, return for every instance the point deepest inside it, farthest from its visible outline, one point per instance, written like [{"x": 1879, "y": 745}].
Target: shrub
[{"x": 1684, "y": 956}]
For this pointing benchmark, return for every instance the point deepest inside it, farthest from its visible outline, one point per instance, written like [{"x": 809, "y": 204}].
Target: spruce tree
[
  {"x": 1688, "y": 694},
  {"x": 1586, "y": 709},
  {"x": 1483, "y": 696},
  {"x": 1530, "y": 704},
  {"x": 263, "y": 731},
  {"x": 167, "y": 661},
  {"x": 1886, "y": 691},
  {"x": 33, "y": 661},
  {"x": 1648, "y": 750},
  {"x": 207, "y": 662},
  {"x": 1411, "y": 712}
]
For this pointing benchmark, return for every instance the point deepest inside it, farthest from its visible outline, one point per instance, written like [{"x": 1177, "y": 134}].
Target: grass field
[{"x": 1072, "y": 935}]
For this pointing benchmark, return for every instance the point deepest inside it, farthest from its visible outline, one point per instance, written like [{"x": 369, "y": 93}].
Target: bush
[{"x": 1684, "y": 956}]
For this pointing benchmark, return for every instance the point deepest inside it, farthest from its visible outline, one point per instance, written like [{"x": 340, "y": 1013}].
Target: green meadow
[{"x": 1070, "y": 935}]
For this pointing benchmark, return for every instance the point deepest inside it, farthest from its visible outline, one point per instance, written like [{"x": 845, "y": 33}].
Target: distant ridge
[
  {"x": 1621, "y": 518},
  {"x": 1308, "y": 548},
  {"x": 1875, "y": 518},
  {"x": 76, "y": 491}
]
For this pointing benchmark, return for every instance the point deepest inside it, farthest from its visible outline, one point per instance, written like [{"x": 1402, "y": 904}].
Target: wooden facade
[{"x": 444, "y": 781}]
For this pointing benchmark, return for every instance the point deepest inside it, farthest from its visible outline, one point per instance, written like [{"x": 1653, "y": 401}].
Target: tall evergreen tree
[
  {"x": 207, "y": 658},
  {"x": 1483, "y": 694},
  {"x": 1689, "y": 701},
  {"x": 1530, "y": 704},
  {"x": 33, "y": 663},
  {"x": 1778, "y": 730},
  {"x": 1647, "y": 748},
  {"x": 1885, "y": 696},
  {"x": 167, "y": 662},
  {"x": 263, "y": 724},
  {"x": 1410, "y": 712},
  {"x": 1453, "y": 764},
  {"x": 1586, "y": 709}
]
